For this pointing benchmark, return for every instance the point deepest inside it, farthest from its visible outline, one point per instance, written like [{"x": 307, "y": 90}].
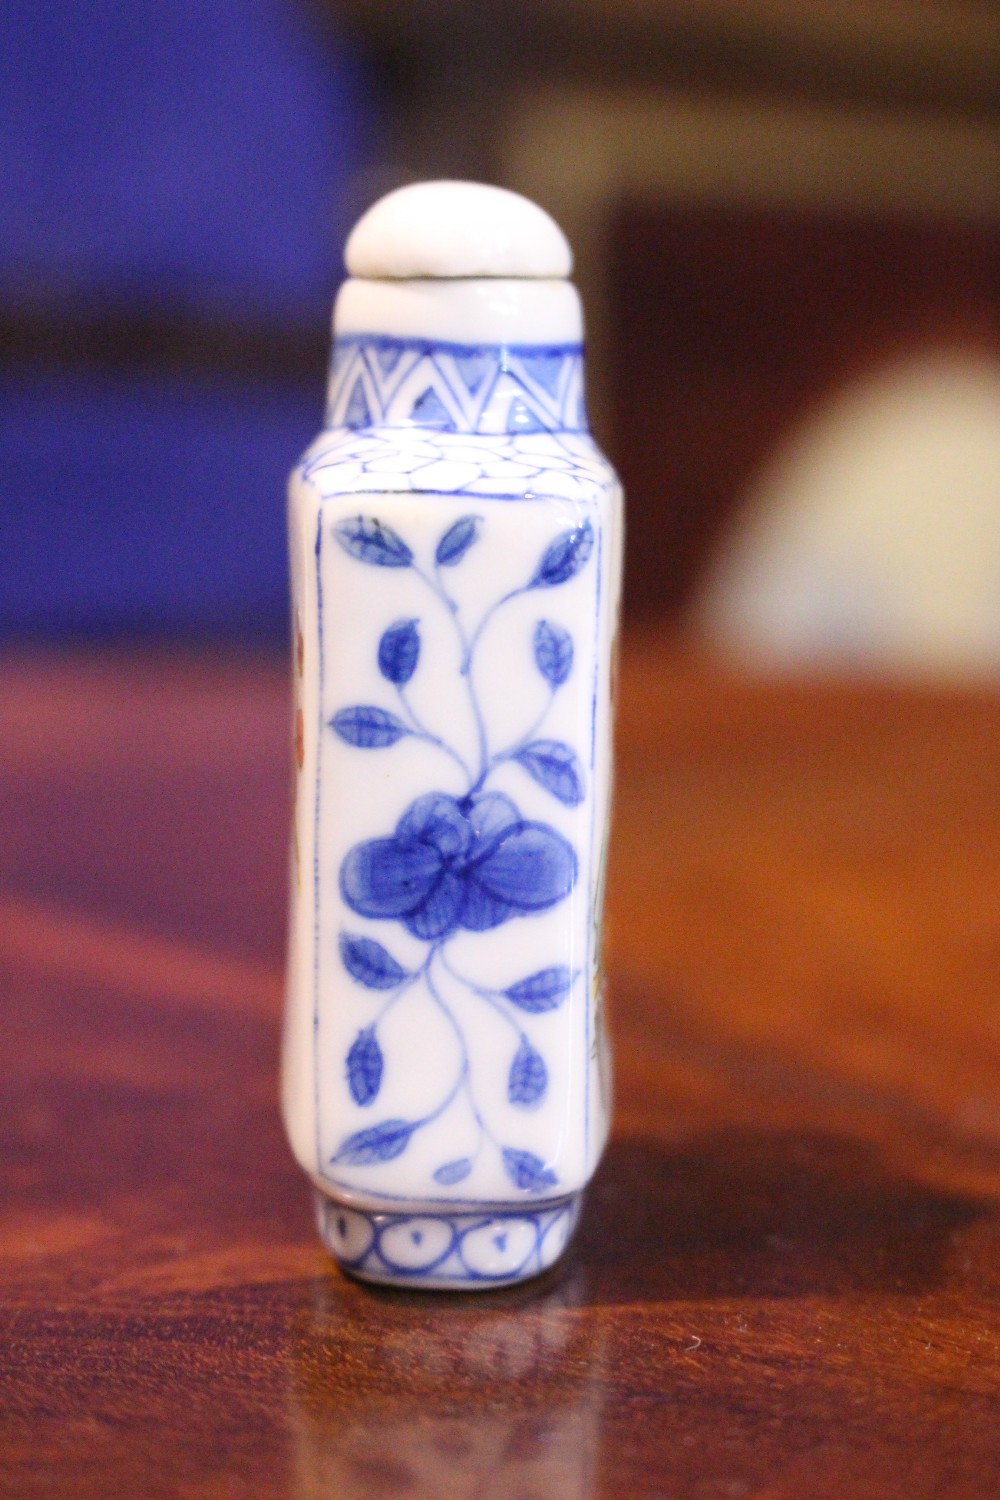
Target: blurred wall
[
  {"x": 771, "y": 204},
  {"x": 176, "y": 187},
  {"x": 871, "y": 538},
  {"x": 750, "y": 333}
]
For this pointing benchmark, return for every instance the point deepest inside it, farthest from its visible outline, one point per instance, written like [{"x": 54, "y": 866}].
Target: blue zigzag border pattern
[{"x": 377, "y": 380}]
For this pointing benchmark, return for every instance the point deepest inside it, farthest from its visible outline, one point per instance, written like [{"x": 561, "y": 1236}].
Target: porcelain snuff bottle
[{"x": 455, "y": 558}]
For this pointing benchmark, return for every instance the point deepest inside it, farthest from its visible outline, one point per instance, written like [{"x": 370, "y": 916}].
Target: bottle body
[{"x": 455, "y": 579}]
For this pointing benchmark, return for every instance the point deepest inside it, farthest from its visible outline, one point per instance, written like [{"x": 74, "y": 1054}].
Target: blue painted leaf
[
  {"x": 555, "y": 767},
  {"x": 369, "y": 963},
  {"x": 542, "y": 991},
  {"x": 553, "y": 652},
  {"x": 364, "y": 1066},
  {"x": 370, "y": 541},
  {"x": 527, "y": 1171},
  {"x": 528, "y": 1077},
  {"x": 376, "y": 1143},
  {"x": 398, "y": 652},
  {"x": 564, "y": 557},
  {"x": 456, "y": 541},
  {"x": 368, "y": 727},
  {"x": 453, "y": 1171}
]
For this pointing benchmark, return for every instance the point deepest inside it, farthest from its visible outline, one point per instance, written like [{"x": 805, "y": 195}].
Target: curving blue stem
[
  {"x": 518, "y": 745},
  {"x": 437, "y": 584},
  {"x": 439, "y": 591},
  {"x": 465, "y": 1070},
  {"x": 421, "y": 732},
  {"x": 424, "y": 972},
  {"x": 473, "y": 641},
  {"x": 492, "y": 997},
  {"x": 398, "y": 992},
  {"x": 445, "y": 1102}
]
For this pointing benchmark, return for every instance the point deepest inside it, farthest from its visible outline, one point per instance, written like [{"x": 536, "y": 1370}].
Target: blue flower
[{"x": 453, "y": 863}]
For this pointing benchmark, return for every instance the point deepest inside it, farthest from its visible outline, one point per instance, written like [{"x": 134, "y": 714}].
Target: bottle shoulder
[{"x": 501, "y": 466}]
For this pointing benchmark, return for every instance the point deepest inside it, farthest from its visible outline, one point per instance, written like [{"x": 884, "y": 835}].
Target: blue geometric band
[{"x": 378, "y": 381}]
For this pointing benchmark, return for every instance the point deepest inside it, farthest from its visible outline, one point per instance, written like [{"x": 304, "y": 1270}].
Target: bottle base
[{"x": 461, "y": 1249}]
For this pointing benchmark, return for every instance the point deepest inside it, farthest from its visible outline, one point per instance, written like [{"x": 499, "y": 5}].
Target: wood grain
[{"x": 787, "y": 1282}]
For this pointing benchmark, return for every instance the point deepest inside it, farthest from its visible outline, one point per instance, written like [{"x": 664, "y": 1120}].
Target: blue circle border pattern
[{"x": 474, "y": 1247}]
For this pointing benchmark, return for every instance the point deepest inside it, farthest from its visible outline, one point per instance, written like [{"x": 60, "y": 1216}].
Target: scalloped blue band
[{"x": 465, "y": 1246}]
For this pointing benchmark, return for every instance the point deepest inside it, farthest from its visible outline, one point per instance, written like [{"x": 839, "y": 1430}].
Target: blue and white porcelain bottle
[{"x": 456, "y": 556}]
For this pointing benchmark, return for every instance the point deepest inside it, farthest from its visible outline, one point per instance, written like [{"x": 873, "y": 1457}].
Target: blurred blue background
[
  {"x": 787, "y": 229},
  {"x": 175, "y": 192}
]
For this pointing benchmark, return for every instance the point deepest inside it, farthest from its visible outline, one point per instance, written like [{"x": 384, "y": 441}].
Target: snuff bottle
[{"x": 455, "y": 558}]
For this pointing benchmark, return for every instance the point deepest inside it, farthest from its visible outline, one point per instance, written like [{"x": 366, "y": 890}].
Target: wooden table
[{"x": 787, "y": 1283}]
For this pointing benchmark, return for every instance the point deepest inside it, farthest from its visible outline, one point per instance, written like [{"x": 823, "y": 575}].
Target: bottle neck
[
  {"x": 380, "y": 381},
  {"x": 471, "y": 356}
]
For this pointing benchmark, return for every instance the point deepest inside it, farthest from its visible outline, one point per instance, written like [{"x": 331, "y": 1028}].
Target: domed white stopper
[{"x": 451, "y": 230}]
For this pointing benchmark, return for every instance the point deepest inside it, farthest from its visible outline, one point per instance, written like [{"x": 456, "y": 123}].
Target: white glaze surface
[
  {"x": 474, "y": 311},
  {"x": 456, "y": 229},
  {"x": 363, "y": 794}
]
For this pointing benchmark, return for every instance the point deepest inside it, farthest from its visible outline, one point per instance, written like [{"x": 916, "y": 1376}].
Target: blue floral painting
[{"x": 458, "y": 862}]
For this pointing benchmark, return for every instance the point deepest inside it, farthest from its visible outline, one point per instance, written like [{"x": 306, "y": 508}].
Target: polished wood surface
[{"x": 787, "y": 1282}]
